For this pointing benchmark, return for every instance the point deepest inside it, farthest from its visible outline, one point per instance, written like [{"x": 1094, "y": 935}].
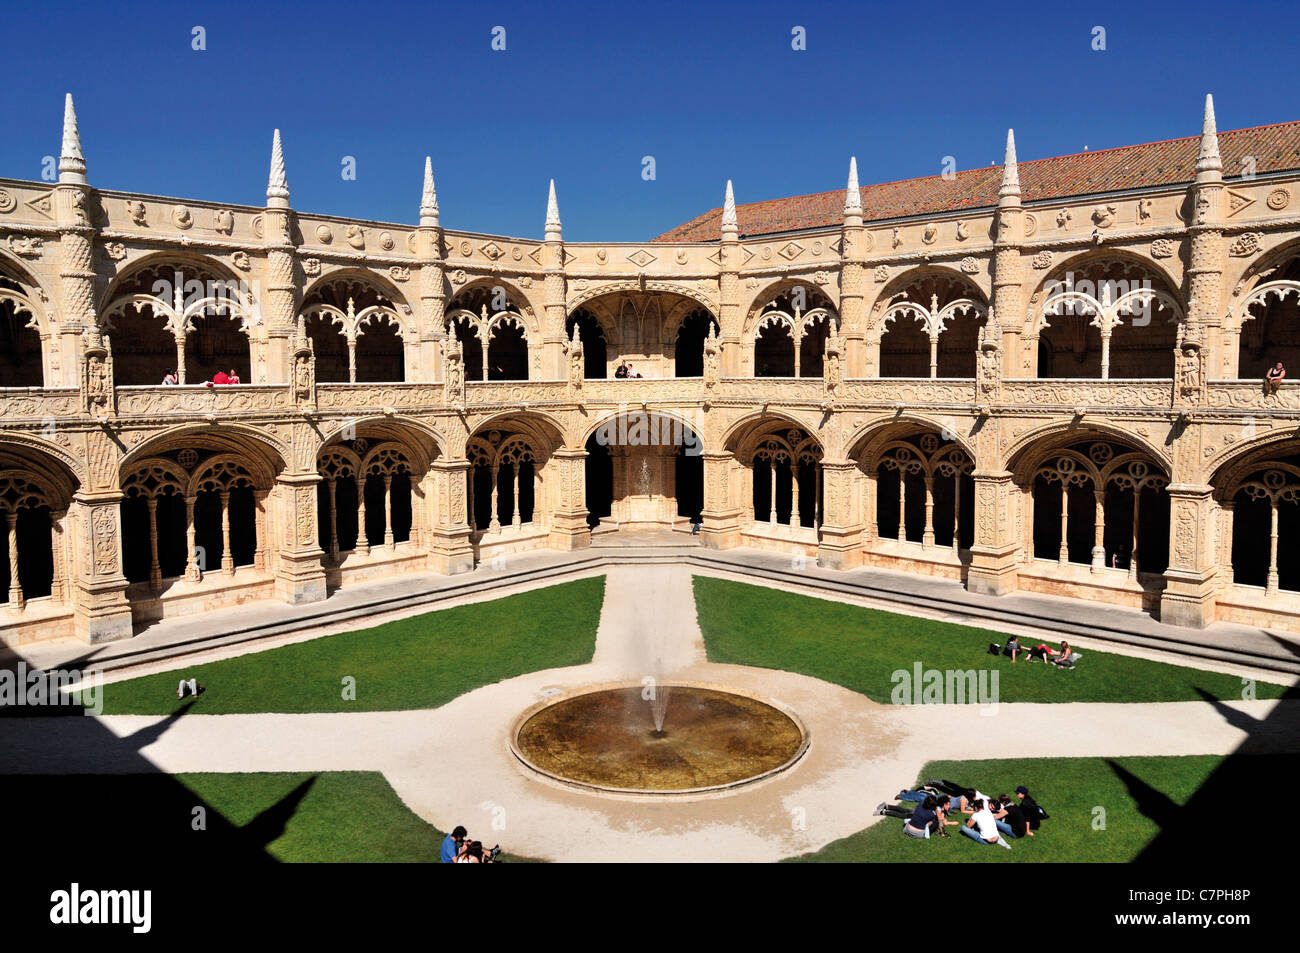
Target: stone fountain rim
[{"x": 587, "y": 787}]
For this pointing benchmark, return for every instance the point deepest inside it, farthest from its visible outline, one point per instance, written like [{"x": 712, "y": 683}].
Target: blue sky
[{"x": 583, "y": 92}]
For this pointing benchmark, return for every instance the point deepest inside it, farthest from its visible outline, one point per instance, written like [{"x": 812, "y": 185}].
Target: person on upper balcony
[
  {"x": 1273, "y": 379},
  {"x": 622, "y": 370}
]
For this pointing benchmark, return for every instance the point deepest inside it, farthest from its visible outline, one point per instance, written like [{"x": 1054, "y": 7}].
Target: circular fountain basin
[{"x": 606, "y": 740}]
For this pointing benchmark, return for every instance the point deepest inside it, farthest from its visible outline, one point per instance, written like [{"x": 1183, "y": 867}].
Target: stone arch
[
  {"x": 153, "y": 328},
  {"x": 1067, "y": 430},
  {"x": 679, "y": 420},
  {"x": 507, "y": 482},
  {"x": 27, "y": 329},
  {"x": 925, "y": 323},
  {"x": 337, "y": 311},
  {"x": 1257, "y": 489},
  {"x": 774, "y": 290},
  {"x": 864, "y": 443},
  {"x": 233, "y": 438},
  {"x": 41, "y": 453},
  {"x": 1122, "y": 317},
  {"x": 579, "y": 297},
  {"x": 35, "y": 492}
]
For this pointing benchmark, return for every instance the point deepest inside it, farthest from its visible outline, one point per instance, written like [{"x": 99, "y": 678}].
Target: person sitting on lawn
[
  {"x": 1010, "y": 818},
  {"x": 1012, "y": 648},
  {"x": 451, "y": 845},
  {"x": 1034, "y": 815},
  {"x": 927, "y": 819},
  {"x": 982, "y": 828}
]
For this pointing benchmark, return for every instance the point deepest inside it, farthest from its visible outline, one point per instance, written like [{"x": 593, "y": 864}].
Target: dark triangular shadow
[
  {"x": 1150, "y": 802},
  {"x": 270, "y": 825},
  {"x": 139, "y": 740}
]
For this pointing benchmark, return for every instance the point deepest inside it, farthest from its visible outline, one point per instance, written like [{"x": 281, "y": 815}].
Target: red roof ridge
[{"x": 981, "y": 168}]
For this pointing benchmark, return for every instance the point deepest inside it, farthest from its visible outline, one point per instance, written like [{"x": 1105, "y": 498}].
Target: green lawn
[
  {"x": 862, "y": 648},
  {"x": 333, "y": 817},
  {"x": 1140, "y": 798},
  {"x": 421, "y": 662}
]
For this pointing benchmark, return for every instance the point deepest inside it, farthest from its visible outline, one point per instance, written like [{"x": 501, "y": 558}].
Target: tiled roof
[{"x": 1276, "y": 148}]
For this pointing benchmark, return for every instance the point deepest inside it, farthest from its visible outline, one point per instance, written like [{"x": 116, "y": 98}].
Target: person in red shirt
[
  {"x": 220, "y": 377},
  {"x": 233, "y": 378}
]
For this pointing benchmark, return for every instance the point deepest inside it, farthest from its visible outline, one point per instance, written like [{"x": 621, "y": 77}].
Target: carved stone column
[
  {"x": 58, "y": 586},
  {"x": 155, "y": 571},
  {"x": 299, "y": 574},
  {"x": 449, "y": 548},
  {"x": 566, "y": 470},
  {"x": 840, "y": 544},
  {"x": 927, "y": 536},
  {"x": 720, "y": 518},
  {"x": 16, "y": 600},
  {"x": 993, "y": 568},
  {"x": 193, "y": 571},
  {"x": 362, "y": 547},
  {"x": 1099, "y": 531},
  {"x": 389, "y": 542},
  {"x": 1190, "y": 582},
  {"x": 102, "y": 612}
]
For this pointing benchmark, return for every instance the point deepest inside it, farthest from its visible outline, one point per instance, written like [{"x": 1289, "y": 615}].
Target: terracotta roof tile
[{"x": 1276, "y": 148}]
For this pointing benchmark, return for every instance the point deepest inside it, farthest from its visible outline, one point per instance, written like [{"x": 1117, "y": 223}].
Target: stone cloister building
[{"x": 1043, "y": 377}]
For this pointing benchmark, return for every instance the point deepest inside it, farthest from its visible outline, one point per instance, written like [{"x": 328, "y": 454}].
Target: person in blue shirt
[{"x": 451, "y": 844}]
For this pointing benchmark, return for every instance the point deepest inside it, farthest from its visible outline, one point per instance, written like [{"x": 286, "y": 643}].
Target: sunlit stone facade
[{"x": 1060, "y": 395}]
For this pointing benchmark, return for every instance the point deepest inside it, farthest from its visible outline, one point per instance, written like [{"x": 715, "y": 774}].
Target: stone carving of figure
[
  {"x": 990, "y": 361},
  {"x": 302, "y": 375},
  {"x": 577, "y": 369},
  {"x": 831, "y": 367},
  {"x": 79, "y": 207},
  {"x": 454, "y": 381},
  {"x": 137, "y": 212},
  {"x": 223, "y": 221},
  {"x": 1189, "y": 370},
  {"x": 712, "y": 351},
  {"x": 97, "y": 381}
]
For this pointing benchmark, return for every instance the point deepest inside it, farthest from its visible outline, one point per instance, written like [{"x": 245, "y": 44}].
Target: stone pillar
[
  {"x": 76, "y": 278},
  {"x": 389, "y": 542},
  {"x": 927, "y": 536},
  {"x": 1271, "y": 588},
  {"x": 494, "y": 524},
  {"x": 566, "y": 471},
  {"x": 514, "y": 495},
  {"x": 1007, "y": 309},
  {"x": 855, "y": 243},
  {"x": 1133, "y": 552},
  {"x": 332, "y": 484},
  {"x": 299, "y": 575},
  {"x": 102, "y": 612},
  {"x": 58, "y": 586},
  {"x": 796, "y": 518},
  {"x": 1099, "y": 530},
  {"x": 15, "y": 587},
  {"x": 363, "y": 541},
  {"x": 956, "y": 514},
  {"x": 721, "y": 515},
  {"x": 902, "y": 505},
  {"x": 771, "y": 493},
  {"x": 554, "y": 298},
  {"x": 155, "y": 571},
  {"x": 993, "y": 568},
  {"x": 840, "y": 545},
  {"x": 193, "y": 572},
  {"x": 1063, "y": 556},
  {"x": 227, "y": 557},
  {"x": 1190, "y": 583},
  {"x": 450, "y": 550}
]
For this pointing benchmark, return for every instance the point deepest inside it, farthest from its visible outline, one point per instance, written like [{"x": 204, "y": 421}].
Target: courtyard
[{"x": 368, "y": 744}]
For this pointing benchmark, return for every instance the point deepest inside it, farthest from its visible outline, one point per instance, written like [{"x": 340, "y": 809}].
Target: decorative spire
[
  {"x": 428, "y": 198},
  {"x": 1010, "y": 171},
  {"x": 1208, "y": 160},
  {"x": 277, "y": 187},
  {"x": 72, "y": 164},
  {"x": 552, "y": 216},
  {"x": 852, "y": 195},
  {"x": 730, "y": 227}
]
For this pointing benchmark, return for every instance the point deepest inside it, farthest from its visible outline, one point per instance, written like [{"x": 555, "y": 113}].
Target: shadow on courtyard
[
  {"x": 75, "y": 795},
  {"x": 1208, "y": 828}
]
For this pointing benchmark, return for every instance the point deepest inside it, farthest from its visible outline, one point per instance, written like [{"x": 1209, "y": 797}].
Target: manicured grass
[
  {"x": 862, "y": 648},
  {"x": 332, "y": 817},
  {"x": 421, "y": 662},
  {"x": 1136, "y": 798}
]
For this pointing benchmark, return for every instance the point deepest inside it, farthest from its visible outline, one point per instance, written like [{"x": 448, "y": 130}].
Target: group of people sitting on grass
[
  {"x": 457, "y": 848},
  {"x": 933, "y": 807},
  {"x": 1042, "y": 652}
]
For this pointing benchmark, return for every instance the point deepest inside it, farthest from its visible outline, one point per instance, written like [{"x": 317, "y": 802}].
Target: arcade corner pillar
[
  {"x": 840, "y": 545},
  {"x": 1190, "y": 579},
  {"x": 449, "y": 548},
  {"x": 102, "y": 612},
  {"x": 299, "y": 573},
  {"x": 995, "y": 549},
  {"x": 568, "y": 523},
  {"x": 722, "y": 501}
]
